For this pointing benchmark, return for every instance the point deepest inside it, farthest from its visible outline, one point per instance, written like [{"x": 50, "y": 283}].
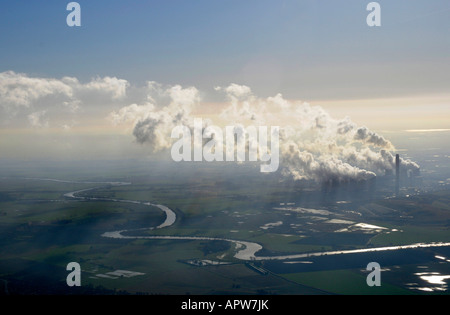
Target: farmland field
[{"x": 43, "y": 230}]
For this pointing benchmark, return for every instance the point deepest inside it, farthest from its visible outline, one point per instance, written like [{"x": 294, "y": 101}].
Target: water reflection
[{"x": 436, "y": 282}]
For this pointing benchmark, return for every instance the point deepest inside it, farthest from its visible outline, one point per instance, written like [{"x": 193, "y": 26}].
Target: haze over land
[
  {"x": 313, "y": 145},
  {"x": 86, "y": 172}
]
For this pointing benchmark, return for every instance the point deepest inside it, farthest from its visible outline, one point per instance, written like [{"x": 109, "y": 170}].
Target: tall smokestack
[{"x": 397, "y": 174}]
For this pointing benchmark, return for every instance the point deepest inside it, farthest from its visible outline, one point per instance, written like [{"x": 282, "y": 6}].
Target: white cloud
[
  {"x": 37, "y": 120},
  {"x": 183, "y": 96},
  {"x": 236, "y": 90},
  {"x": 18, "y": 89},
  {"x": 30, "y": 98},
  {"x": 163, "y": 109},
  {"x": 131, "y": 114},
  {"x": 113, "y": 86}
]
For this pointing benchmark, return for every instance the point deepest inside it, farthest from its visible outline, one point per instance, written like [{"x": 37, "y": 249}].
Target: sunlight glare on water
[{"x": 435, "y": 279}]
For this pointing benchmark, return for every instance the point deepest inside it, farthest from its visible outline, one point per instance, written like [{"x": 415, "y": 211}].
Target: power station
[{"x": 397, "y": 175}]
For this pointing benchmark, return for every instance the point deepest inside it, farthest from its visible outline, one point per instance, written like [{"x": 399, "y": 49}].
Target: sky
[{"x": 60, "y": 86}]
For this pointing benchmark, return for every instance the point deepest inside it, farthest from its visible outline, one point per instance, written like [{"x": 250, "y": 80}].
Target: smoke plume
[{"x": 313, "y": 145}]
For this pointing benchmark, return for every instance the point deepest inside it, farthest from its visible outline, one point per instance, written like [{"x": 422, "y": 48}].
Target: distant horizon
[{"x": 115, "y": 84}]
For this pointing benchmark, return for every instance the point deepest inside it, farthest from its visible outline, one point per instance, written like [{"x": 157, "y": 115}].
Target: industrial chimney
[{"x": 397, "y": 175}]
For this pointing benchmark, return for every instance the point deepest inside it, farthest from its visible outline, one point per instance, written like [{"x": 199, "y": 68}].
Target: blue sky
[
  {"x": 69, "y": 91},
  {"x": 304, "y": 49}
]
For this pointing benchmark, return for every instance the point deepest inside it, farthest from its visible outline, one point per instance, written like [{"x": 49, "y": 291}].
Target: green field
[
  {"x": 348, "y": 282},
  {"x": 42, "y": 231}
]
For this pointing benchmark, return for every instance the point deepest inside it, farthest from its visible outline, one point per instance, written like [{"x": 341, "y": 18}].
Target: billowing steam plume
[{"x": 313, "y": 145}]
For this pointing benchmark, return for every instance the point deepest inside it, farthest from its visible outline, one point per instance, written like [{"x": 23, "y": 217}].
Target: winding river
[{"x": 244, "y": 250}]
